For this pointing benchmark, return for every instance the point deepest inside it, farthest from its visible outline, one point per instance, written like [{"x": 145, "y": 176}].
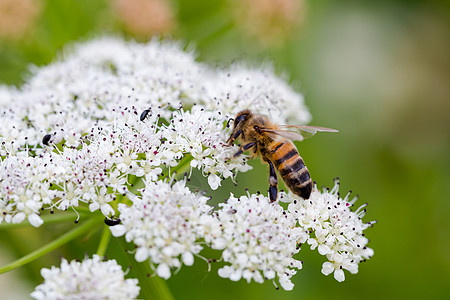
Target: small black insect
[
  {"x": 46, "y": 139},
  {"x": 112, "y": 221},
  {"x": 144, "y": 114}
]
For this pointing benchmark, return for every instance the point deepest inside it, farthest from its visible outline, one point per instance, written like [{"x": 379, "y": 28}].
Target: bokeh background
[{"x": 379, "y": 71}]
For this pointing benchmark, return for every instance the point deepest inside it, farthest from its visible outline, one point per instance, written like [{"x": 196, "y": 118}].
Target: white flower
[
  {"x": 90, "y": 279},
  {"x": 328, "y": 268},
  {"x": 164, "y": 224},
  {"x": 200, "y": 132},
  {"x": 258, "y": 239},
  {"x": 81, "y": 118},
  {"x": 23, "y": 189},
  {"x": 336, "y": 231},
  {"x": 88, "y": 130},
  {"x": 239, "y": 87}
]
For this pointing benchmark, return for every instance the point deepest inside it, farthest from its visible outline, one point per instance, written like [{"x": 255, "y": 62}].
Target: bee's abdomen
[{"x": 292, "y": 169}]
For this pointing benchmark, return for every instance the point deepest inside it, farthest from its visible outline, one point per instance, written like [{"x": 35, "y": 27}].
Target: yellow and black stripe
[{"x": 292, "y": 169}]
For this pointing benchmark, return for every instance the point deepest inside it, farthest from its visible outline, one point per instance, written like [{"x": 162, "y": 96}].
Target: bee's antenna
[{"x": 228, "y": 123}]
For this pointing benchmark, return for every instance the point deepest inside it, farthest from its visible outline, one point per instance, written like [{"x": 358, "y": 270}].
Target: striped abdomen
[{"x": 291, "y": 167}]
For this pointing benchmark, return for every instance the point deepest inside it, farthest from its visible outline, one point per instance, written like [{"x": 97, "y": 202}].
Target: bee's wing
[
  {"x": 308, "y": 131},
  {"x": 291, "y": 135}
]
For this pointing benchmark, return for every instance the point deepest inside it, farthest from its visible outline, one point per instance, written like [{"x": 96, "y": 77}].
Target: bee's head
[{"x": 239, "y": 122}]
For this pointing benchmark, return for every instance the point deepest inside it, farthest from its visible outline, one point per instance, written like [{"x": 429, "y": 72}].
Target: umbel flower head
[
  {"x": 90, "y": 279},
  {"x": 110, "y": 128},
  {"x": 258, "y": 239},
  {"x": 165, "y": 224},
  {"x": 80, "y": 124},
  {"x": 335, "y": 230}
]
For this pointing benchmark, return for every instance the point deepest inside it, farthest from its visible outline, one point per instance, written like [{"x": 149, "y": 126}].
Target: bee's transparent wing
[
  {"x": 304, "y": 131},
  {"x": 291, "y": 135}
]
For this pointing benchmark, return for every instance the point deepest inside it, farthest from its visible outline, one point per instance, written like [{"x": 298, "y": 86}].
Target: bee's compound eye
[{"x": 240, "y": 119}]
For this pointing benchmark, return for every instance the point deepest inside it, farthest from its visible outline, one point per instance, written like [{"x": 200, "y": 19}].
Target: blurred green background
[{"x": 379, "y": 71}]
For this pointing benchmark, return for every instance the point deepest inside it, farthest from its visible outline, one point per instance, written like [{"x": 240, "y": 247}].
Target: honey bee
[{"x": 273, "y": 143}]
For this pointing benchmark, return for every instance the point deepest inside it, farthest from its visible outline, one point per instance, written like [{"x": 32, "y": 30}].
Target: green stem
[
  {"x": 68, "y": 236},
  {"x": 152, "y": 286},
  {"x": 104, "y": 241},
  {"x": 48, "y": 219}
]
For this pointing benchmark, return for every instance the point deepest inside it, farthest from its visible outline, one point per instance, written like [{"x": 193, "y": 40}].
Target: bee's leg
[
  {"x": 273, "y": 182},
  {"x": 244, "y": 148},
  {"x": 233, "y": 137}
]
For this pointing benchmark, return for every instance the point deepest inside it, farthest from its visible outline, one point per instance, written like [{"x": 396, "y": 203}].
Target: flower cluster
[
  {"x": 336, "y": 231},
  {"x": 90, "y": 279},
  {"x": 113, "y": 125},
  {"x": 164, "y": 224},
  {"x": 168, "y": 223},
  {"x": 113, "y": 109},
  {"x": 258, "y": 239}
]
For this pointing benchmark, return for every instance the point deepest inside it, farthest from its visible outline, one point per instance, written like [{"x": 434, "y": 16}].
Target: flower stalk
[
  {"x": 81, "y": 229},
  {"x": 104, "y": 241}
]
